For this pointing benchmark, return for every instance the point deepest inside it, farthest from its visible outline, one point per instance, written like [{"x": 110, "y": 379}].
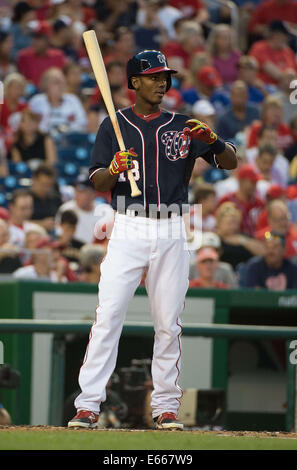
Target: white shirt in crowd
[
  {"x": 280, "y": 164},
  {"x": 29, "y": 272},
  {"x": 70, "y": 113},
  {"x": 86, "y": 221},
  {"x": 17, "y": 233},
  {"x": 167, "y": 16}
]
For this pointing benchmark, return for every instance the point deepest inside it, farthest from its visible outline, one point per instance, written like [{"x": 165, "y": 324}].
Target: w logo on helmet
[{"x": 161, "y": 59}]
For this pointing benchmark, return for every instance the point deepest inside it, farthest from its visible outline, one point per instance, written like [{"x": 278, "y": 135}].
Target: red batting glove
[
  {"x": 200, "y": 131},
  {"x": 122, "y": 161}
]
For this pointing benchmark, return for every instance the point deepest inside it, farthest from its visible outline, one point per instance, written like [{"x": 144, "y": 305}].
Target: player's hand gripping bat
[{"x": 99, "y": 70}]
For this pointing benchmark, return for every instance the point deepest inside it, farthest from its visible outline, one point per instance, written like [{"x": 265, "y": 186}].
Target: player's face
[{"x": 151, "y": 88}]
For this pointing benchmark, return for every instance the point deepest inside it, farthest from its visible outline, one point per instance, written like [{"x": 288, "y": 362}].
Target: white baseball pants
[{"x": 138, "y": 244}]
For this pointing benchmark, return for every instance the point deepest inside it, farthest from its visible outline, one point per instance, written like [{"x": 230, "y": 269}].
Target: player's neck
[{"x": 145, "y": 109}]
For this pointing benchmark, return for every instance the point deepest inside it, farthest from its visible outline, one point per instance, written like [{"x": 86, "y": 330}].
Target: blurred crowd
[{"x": 237, "y": 71}]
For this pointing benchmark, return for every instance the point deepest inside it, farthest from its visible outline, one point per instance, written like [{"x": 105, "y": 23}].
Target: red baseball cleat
[
  {"x": 84, "y": 419},
  {"x": 168, "y": 421}
]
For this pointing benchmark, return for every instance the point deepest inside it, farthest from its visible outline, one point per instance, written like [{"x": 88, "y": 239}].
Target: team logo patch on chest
[{"x": 176, "y": 144}]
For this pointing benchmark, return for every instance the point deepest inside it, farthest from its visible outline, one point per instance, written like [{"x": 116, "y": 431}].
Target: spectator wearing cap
[
  {"x": 31, "y": 144},
  {"x": 9, "y": 253},
  {"x": 245, "y": 198},
  {"x": 268, "y": 11},
  {"x": 61, "y": 38},
  {"x": 224, "y": 272},
  {"x": 90, "y": 259},
  {"x": 208, "y": 86},
  {"x": 7, "y": 64},
  {"x": 279, "y": 221},
  {"x": 239, "y": 114},
  {"x": 221, "y": 45},
  {"x": 33, "y": 61},
  {"x": 60, "y": 111},
  {"x": 236, "y": 247},
  {"x": 23, "y": 15},
  {"x": 46, "y": 199},
  {"x": 268, "y": 135},
  {"x": 272, "y": 271},
  {"x": 273, "y": 54},
  {"x": 271, "y": 115},
  {"x": 84, "y": 206},
  {"x": 20, "y": 209},
  {"x": 207, "y": 265},
  {"x": 275, "y": 191},
  {"x": 204, "y": 111},
  {"x": 70, "y": 247},
  {"x": 248, "y": 72},
  {"x": 14, "y": 102}
]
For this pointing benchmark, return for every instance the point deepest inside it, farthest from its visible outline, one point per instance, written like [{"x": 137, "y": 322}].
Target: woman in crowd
[
  {"x": 14, "y": 103},
  {"x": 30, "y": 143},
  {"x": 236, "y": 248},
  {"x": 221, "y": 45}
]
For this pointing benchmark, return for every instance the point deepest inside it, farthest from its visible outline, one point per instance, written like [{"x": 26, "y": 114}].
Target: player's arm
[
  {"x": 224, "y": 153},
  {"x": 104, "y": 179}
]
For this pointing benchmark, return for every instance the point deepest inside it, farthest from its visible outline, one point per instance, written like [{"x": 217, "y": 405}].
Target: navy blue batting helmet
[{"x": 148, "y": 62}]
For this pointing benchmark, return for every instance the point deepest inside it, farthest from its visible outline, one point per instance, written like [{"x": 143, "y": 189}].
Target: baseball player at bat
[{"x": 161, "y": 150}]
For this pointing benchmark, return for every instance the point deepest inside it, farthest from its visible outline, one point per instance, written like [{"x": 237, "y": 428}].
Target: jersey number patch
[{"x": 135, "y": 171}]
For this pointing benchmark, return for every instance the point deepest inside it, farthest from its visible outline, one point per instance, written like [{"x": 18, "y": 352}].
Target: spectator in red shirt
[
  {"x": 193, "y": 9},
  {"x": 189, "y": 41},
  {"x": 35, "y": 60},
  {"x": 272, "y": 116},
  {"x": 273, "y": 54},
  {"x": 269, "y": 10},
  {"x": 14, "y": 103},
  {"x": 279, "y": 221},
  {"x": 207, "y": 265},
  {"x": 245, "y": 198}
]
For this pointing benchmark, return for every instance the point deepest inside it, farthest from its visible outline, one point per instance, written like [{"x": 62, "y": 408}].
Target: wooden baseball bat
[{"x": 99, "y": 70}]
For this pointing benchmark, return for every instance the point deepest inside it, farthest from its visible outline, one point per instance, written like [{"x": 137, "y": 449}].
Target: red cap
[
  {"x": 247, "y": 171},
  {"x": 209, "y": 76},
  {"x": 292, "y": 191},
  {"x": 41, "y": 28},
  {"x": 275, "y": 191}
]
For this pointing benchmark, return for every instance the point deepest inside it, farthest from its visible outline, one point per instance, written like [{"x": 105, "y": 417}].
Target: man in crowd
[
  {"x": 46, "y": 200},
  {"x": 239, "y": 115},
  {"x": 272, "y": 271},
  {"x": 279, "y": 221}
]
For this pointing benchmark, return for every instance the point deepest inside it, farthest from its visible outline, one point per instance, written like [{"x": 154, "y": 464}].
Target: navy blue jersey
[{"x": 165, "y": 157}]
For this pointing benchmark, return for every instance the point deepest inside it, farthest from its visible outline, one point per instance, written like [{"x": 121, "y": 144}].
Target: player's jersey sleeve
[{"x": 102, "y": 152}]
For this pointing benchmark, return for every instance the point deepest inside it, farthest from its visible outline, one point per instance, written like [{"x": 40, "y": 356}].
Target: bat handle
[{"x": 135, "y": 191}]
